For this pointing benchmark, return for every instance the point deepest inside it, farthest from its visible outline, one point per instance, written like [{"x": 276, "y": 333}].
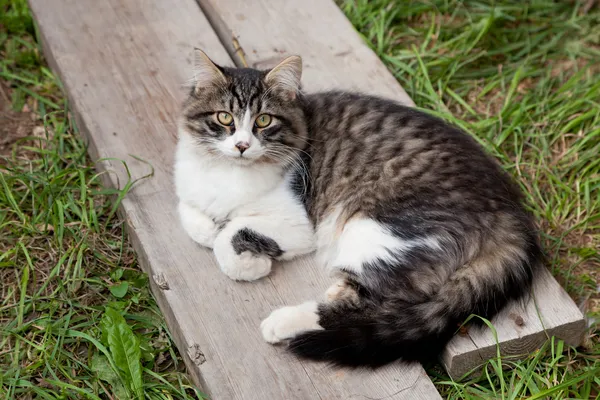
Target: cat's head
[{"x": 246, "y": 115}]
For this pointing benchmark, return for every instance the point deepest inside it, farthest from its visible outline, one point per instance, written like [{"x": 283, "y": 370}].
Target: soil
[{"x": 14, "y": 125}]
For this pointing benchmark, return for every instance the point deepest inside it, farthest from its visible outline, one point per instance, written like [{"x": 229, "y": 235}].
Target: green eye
[
  {"x": 263, "y": 120},
  {"x": 225, "y": 118}
]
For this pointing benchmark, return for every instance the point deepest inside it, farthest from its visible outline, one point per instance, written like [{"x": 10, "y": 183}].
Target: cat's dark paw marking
[{"x": 249, "y": 240}]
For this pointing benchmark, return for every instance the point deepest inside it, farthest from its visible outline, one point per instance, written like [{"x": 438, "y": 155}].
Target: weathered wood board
[
  {"x": 521, "y": 328},
  {"x": 122, "y": 63},
  {"x": 258, "y": 33}
]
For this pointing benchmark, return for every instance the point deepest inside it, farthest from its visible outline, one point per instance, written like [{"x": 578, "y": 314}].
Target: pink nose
[{"x": 242, "y": 146}]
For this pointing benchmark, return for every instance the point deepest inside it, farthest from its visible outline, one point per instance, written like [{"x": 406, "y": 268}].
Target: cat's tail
[
  {"x": 371, "y": 331},
  {"x": 360, "y": 335}
]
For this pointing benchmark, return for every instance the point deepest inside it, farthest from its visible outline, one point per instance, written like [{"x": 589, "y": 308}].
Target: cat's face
[{"x": 246, "y": 115}]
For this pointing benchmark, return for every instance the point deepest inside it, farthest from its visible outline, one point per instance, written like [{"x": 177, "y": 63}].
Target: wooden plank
[
  {"x": 521, "y": 328},
  {"x": 336, "y": 57},
  {"x": 260, "y": 33},
  {"x": 122, "y": 63}
]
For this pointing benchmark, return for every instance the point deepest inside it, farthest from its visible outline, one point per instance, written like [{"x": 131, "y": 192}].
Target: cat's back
[
  {"x": 369, "y": 151},
  {"x": 383, "y": 127}
]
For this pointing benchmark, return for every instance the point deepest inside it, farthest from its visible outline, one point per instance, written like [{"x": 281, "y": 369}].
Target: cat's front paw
[
  {"x": 199, "y": 226},
  {"x": 245, "y": 266}
]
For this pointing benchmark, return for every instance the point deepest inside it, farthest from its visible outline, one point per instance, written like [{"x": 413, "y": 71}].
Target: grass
[
  {"x": 523, "y": 77},
  {"x": 76, "y": 318}
]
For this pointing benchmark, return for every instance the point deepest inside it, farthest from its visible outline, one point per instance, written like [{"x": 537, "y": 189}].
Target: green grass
[
  {"x": 77, "y": 320},
  {"x": 523, "y": 77}
]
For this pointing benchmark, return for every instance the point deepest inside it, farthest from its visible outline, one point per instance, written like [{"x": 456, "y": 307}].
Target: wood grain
[
  {"x": 522, "y": 328},
  {"x": 122, "y": 63},
  {"x": 259, "y": 33}
]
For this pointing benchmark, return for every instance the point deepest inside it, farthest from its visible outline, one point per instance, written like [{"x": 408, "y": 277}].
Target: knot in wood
[
  {"x": 196, "y": 355},
  {"x": 161, "y": 281}
]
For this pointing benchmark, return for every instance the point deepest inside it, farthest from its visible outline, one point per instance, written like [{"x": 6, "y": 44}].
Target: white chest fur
[{"x": 218, "y": 186}]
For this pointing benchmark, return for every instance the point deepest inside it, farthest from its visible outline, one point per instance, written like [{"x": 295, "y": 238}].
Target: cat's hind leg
[
  {"x": 287, "y": 322},
  {"x": 342, "y": 289}
]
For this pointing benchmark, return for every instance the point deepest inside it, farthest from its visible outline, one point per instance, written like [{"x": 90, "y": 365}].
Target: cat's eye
[
  {"x": 225, "y": 118},
  {"x": 263, "y": 120}
]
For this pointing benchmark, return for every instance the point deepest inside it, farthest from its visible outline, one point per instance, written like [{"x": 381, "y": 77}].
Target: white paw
[
  {"x": 200, "y": 227},
  {"x": 340, "y": 290},
  {"x": 245, "y": 266},
  {"x": 287, "y": 322},
  {"x": 335, "y": 291}
]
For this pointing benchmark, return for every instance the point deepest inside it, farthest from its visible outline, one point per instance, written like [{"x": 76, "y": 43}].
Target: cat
[{"x": 417, "y": 225}]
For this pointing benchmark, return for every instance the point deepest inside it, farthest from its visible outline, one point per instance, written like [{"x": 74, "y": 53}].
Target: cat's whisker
[{"x": 296, "y": 162}]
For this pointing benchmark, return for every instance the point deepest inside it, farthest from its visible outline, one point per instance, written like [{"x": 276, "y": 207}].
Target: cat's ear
[
  {"x": 206, "y": 72},
  {"x": 286, "y": 76}
]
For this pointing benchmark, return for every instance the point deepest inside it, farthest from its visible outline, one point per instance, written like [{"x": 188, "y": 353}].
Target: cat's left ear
[
  {"x": 206, "y": 72},
  {"x": 286, "y": 76}
]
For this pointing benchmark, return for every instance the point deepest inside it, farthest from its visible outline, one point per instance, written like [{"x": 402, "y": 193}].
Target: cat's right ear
[
  {"x": 286, "y": 76},
  {"x": 206, "y": 72}
]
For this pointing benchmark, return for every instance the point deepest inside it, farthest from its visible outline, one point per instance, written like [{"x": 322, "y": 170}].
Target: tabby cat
[{"x": 420, "y": 227}]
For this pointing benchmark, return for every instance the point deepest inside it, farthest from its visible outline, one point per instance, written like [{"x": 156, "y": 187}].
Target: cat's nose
[{"x": 242, "y": 146}]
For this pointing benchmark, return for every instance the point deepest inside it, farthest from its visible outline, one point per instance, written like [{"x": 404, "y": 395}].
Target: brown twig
[{"x": 239, "y": 51}]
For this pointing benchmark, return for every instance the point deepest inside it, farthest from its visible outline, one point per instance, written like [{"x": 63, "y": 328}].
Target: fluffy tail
[
  {"x": 376, "y": 330},
  {"x": 359, "y": 335}
]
